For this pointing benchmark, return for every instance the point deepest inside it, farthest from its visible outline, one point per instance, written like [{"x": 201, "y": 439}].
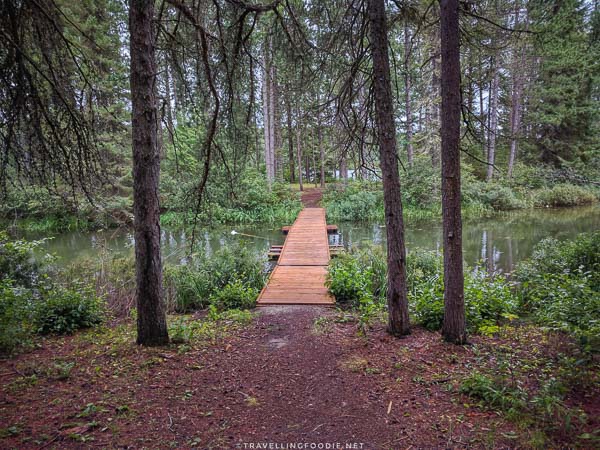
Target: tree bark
[
  {"x": 299, "y": 152},
  {"x": 407, "y": 87},
  {"x": 491, "y": 157},
  {"x": 290, "y": 135},
  {"x": 151, "y": 317},
  {"x": 322, "y": 155},
  {"x": 517, "y": 90},
  {"x": 454, "y": 328},
  {"x": 398, "y": 322},
  {"x": 267, "y": 118}
]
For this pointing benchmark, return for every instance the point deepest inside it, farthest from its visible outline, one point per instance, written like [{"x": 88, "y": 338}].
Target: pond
[{"x": 499, "y": 242}]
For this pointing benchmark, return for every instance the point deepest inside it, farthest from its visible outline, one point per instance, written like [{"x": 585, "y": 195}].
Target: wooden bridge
[{"x": 299, "y": 276}]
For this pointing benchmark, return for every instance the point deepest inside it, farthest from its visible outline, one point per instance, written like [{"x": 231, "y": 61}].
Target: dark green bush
[
  {"x": 361, "y": 274},
  {"x": 564, "y": 195},
  {"x": 487, "y": 300},
  {"x": 234, "y": 295},
  {"x": 65, "y": 310},
  {"x": 191, "y": 286},
  {"x": 356, "y": 274},
  {"x": 495, "y": 195},
  {"x": 560, "y": 286},
  {"x": 15, "y": 311},
  {"x": 358, "y": 201}
]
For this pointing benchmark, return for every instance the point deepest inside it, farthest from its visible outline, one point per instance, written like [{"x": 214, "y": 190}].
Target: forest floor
[{"x": 289, "y": 375}]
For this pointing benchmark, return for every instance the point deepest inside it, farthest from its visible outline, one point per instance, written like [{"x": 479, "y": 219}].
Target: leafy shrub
[
  {"x": 235, "y": 295},
  {"x": 564, "y": 195},
  {"x": 492, "y": 194},
  {"x": 487, "y": 300},
  {"x": 15, "y": 304},
  {"x": 17, "y": 262},
  {"x": 358, "y": 274},
  {"x": 191, "y": 286},
  {"x": 560, "y": 285},
  {"x": 31, "y": 302},
  {"x": 62, "y": 310},
  {"x": 358, "y": 201}
]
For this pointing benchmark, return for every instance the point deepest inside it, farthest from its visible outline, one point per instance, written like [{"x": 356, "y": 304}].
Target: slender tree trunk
[
  {"x": 491, "y": 158},
  {"x": 398, "y": 323},
  {"x": 409, "y": 146},
  {"x": 322, "y": 156},
  {"x": 273, "y": 128},
  {"x": 168, "y": 105},
  {"x": 517, "y": 90},
  {"x": 266, "y": 120},
  {"x": 299, "y": 152},
  {"x": 268, "y": 117},
  {"x": 454, "y": 328},
  {"x": 290, "y": 135},
  {"x": 435, "y": 107},
  {"x": 151, "y": 318},
  {"x": 344, "y": 168}
]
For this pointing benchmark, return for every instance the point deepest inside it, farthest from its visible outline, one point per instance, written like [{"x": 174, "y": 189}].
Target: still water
[{"x": 499, "y": 242}]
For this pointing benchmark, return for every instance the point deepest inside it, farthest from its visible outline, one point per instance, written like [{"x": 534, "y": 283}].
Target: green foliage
[
  {"x": 487, "y": 300},
  {"x": 358, "y": 201},
  {"x": 563, "y": 108},
  {"x": 31, "y": 302},
  {"x": 234, "y": 295},
  {"x": 560, "y": 286},
  {"x": 356, "y": 275},
  {"x": 235, "y": 268},
  {"x": 564, "y": 195},
  {"x": 15, "y": 327},
  {"x": 65, "y": 310},
  {"x": 493, "y": 194},
  {"x": 494, "y": 393},
  {"x": 358, "y": 278},
  {"x": 17, "y": 261}
]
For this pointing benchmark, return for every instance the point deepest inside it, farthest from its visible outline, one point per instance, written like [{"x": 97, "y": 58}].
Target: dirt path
[
  {"x": 281, "y": 380},
  {"x": 311, "y": 197}
]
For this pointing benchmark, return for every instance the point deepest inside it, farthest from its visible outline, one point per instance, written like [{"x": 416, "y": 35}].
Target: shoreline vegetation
[{"x": 359, "y": 201}]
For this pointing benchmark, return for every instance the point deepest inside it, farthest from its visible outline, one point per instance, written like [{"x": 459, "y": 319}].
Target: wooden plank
[{"x": 299, "y": 277}]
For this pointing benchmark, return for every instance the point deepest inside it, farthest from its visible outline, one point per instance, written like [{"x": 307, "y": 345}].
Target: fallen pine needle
[{"x": 389, "y": 408}]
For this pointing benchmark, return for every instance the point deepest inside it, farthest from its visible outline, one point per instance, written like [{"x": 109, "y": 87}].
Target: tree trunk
[
  {"x": 151, "y": 318},
  {"x": 491, "y": 157},
  {"x": 344, "y": 168},
  {"x": 398, "y": 323},
  {"x": 290, "y": 136},
  {"x": 267, "y": 119},
  {"x": 299, "y": 152},
  {"x": 454, "y": 328},
  {"x": 274, "y": 137},
  {"x": 322, "y": 156},
  {"x": 517, "y": 90},
  {"x": 409, "y": 146}
]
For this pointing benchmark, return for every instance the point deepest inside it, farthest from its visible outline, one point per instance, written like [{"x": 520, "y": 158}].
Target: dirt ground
[
  {"x": 311, "y": 197},
  {"x": 294, "y": 375}
]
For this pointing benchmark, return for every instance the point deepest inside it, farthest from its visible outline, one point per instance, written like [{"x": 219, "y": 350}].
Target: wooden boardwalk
[{"x": 299, "y": 276}]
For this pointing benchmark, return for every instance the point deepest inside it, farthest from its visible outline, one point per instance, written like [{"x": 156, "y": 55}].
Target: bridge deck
[{"x": 299, "y": 277}]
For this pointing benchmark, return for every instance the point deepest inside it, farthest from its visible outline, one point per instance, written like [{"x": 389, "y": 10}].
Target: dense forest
[{"x": 164, "y": 144}]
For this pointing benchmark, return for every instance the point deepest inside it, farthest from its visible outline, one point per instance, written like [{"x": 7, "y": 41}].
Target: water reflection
[{"x": 499, "y": 242}]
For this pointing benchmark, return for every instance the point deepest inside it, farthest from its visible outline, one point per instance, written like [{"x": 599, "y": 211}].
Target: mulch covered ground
[{"x": 283, "y": 379}]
